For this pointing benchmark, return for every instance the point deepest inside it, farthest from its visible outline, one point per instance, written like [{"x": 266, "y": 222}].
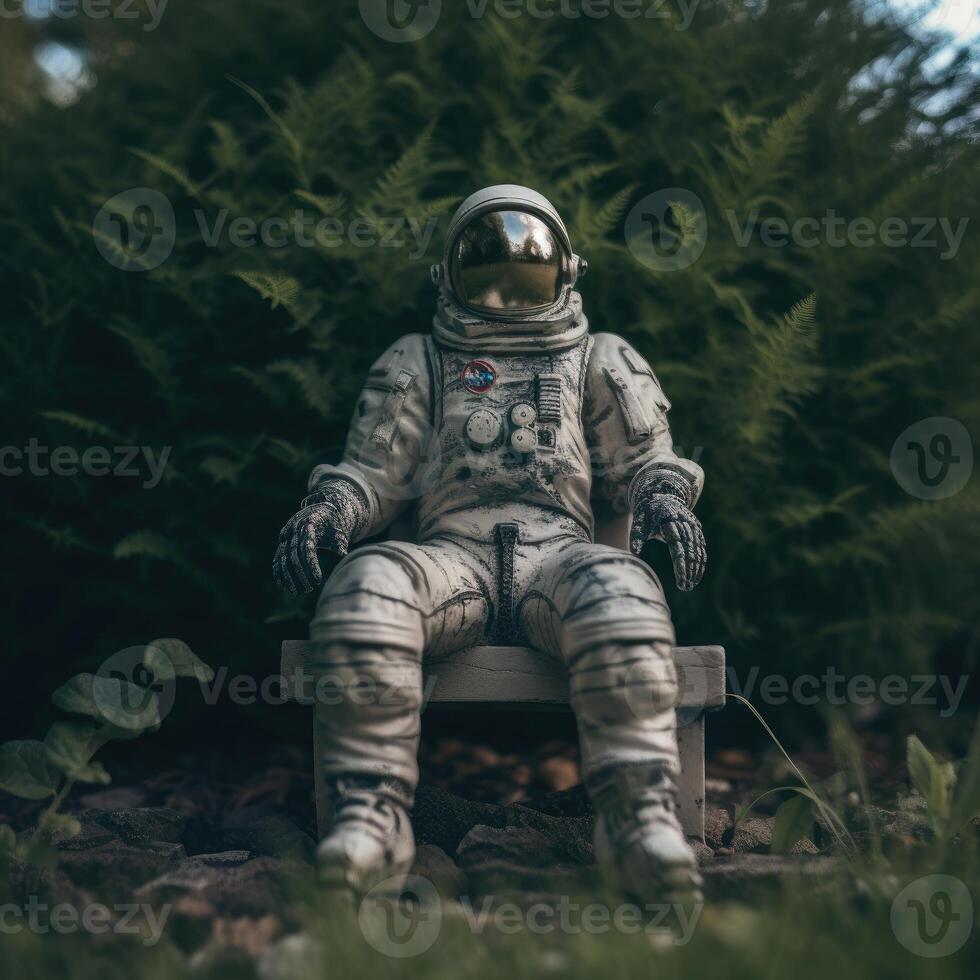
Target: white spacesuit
[{"x": 497, "y": 432}]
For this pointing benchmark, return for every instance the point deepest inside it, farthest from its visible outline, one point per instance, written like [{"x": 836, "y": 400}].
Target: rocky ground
[{"x": 225, "y": 851}]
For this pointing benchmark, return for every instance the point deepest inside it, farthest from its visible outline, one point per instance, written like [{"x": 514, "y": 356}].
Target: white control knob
[
  {"x": 523, "y": 414},
  {"x": 483, "y": 428},
  {"x": 524, "y": 440}
]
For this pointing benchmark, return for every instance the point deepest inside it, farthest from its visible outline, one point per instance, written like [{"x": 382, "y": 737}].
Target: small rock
[
  {"x": 748, "y": 867},
  {"x": 48, "y": 885},
  {"x": 753, "y": 836},
  {"x": 190, "y": 921},
  {"x": 909, "y": 822},
  {"x": 433, "y": 863},
  {"x": 560, "y": 773},
  {"x": 717, "y": 824},
  {"x": 143, "y": 826},
  {"x": 572, "y": 802},
  {"x": 113, "y": 870},
  {"x": 222, "y": 859},
  {"x": 115, "y": 798},
  {"x": 717, "y": 787},
  {"x": 501, "y": 858},
  {"x": 252, "y": 889},
  {"x": 278, "y": 836}
]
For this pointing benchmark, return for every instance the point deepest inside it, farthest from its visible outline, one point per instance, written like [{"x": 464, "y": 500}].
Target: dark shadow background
[{"x": 245, "y": 361}]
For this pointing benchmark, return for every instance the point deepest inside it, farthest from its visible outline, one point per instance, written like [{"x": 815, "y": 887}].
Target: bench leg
[{"x": 690, "y": 783}]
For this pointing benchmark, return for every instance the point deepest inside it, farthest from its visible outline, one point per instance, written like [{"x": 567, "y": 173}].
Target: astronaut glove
[
  {"x": 328, "y": 519},
  {"x": 661, "y": 510}
]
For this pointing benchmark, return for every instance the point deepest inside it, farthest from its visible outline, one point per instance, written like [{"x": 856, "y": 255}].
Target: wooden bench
[{"x": 521, "y": 678}]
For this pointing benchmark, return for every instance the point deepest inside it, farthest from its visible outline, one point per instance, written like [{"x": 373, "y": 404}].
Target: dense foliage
[{"x": 246, "y": 360}]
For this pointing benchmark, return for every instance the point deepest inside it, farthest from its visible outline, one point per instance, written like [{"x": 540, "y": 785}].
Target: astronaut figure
[{"x": 497, "y": 432}]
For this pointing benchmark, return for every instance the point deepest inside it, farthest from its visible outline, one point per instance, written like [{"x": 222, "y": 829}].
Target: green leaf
[
  {"x": 110, "y": 699},
  {"x": 966, "y": 801},
  {"x": 933, "y": 779},
  {"x": 794, "y": 820},
  {"x": 170, "y": 658},
  {"x": 62, "y": 824},
  {"x": 8, "y": 839},
  {"x": 26, "y": 770},
  {"x": 71, "y": 745}
]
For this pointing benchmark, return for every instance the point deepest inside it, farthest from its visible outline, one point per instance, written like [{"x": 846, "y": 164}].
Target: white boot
[
  {"x": 638, "y": 838},
  {"x": 370, "y": 838}
]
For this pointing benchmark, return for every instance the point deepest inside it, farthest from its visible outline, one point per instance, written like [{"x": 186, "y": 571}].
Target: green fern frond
[
  {"x": 147, "y": 544},
  {"x": 151, "y": 356},
  {"x": 400, "y": 182},
  {"x": 279, "y": 289},
  {"x": 331, "y": 206},
  {"x": 170, "y": 169},
  {"x": 226, "y": 151},
  {"x": 88, "y": 427},
  {"x": 292, "y": 141},
  {"x": 802, "y": 315},
  {"x": 312, "y": 383}
]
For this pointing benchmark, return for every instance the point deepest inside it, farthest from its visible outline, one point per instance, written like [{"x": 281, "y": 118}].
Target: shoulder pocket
[{"x": 635, "y": 420}]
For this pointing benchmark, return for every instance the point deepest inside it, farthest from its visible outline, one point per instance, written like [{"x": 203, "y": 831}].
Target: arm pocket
[
  {"x": 635, "y": 420},
  {"x": 391, "y": 409}
]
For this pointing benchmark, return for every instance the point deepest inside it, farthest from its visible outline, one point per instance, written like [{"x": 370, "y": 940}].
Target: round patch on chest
[{"x": 479, "y": 376}]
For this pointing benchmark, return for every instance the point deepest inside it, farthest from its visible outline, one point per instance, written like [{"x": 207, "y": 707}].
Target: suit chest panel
[{"x": 521, "y": 410}]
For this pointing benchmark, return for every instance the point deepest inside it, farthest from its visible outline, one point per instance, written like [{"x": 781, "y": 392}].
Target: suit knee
[{"x": 612, "y": 599}]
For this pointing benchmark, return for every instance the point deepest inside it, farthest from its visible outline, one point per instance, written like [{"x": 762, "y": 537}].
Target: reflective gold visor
[{"x": 507, "y": 261}]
